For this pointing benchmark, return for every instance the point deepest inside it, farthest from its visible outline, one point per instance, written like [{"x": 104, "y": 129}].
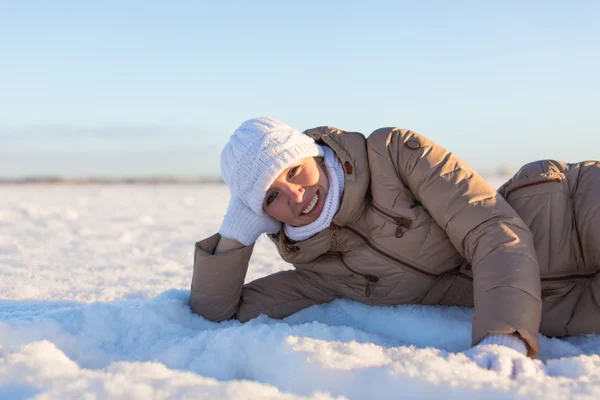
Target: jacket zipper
[
  {"x": 386, "y": 254},
  {"x": 524, "y": 185}
]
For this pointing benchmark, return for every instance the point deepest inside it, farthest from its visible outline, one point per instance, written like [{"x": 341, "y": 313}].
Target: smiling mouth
[{"x": 311, "y": 205}]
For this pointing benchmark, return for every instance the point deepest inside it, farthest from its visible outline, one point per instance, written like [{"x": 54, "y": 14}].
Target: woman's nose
[{"x": 295, "y": 192}]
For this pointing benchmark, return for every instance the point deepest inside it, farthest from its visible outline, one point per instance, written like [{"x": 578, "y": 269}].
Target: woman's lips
[{"x": 317, "y": 208}]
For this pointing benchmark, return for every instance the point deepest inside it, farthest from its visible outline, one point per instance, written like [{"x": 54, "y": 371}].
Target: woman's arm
[
  {"x": 480, "y": 225},
  {"x": 218, "y": 292},
  {"x": 221, "y": 261},
  {"x": 220, "y": 267},
  {"x": 226, "y": 244}
]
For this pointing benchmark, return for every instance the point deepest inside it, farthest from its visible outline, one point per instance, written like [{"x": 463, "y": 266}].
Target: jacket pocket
[{"x": 394, "y": 223}]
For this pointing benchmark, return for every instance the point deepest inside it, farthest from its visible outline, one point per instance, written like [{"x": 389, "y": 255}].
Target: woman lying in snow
[{"x": 396, "y": 219}]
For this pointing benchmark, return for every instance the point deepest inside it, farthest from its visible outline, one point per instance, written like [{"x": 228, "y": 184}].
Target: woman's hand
[
  {"x": 506, "y": 355},
  {"x": 243, "y": 225}
]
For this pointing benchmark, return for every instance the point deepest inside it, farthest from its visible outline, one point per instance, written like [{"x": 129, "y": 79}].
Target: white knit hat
[{"x": 257, "y": 152}]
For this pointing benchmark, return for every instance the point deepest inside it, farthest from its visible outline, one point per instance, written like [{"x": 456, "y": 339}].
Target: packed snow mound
[{"x": 94, "y": 301}]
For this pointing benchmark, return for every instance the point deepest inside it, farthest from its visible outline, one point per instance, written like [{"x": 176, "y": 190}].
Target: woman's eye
[
  {"x": 271, "y": 197},
  {"x": 292, "y": 172}
]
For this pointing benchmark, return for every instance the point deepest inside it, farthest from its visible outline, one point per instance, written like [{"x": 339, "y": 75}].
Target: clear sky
[{"x": 134, "y": 88}]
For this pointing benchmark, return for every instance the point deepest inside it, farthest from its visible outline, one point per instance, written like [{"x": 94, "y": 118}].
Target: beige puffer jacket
[{"x": 418, "y": 225}]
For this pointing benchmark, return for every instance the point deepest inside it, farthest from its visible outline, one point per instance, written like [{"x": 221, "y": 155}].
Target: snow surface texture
[{"x": 93, "y": 302}]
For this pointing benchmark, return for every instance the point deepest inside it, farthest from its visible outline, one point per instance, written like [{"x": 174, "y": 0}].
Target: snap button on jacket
[{"x": 348, "y": 167}]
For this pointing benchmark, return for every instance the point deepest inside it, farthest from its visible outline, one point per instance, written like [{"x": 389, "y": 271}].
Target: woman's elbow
[{"x": 211, "y": 309}]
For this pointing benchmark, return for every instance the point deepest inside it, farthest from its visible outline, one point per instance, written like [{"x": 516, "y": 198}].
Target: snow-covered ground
[{"x": 93, "y": 302}]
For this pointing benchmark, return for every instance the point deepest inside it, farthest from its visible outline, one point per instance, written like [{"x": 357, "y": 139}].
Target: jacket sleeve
[
  {"x": 482, "y": 227},
  {"x": 218, "y": 292}
]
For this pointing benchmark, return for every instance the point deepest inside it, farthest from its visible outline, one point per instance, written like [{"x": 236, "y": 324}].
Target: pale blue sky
[{"x": 133, "y": 88}]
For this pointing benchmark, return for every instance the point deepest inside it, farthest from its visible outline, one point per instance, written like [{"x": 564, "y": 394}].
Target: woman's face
[{"x": 297, "y": 195}]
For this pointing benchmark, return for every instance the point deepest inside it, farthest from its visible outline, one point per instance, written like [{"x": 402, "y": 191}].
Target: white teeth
[{"x": 312, "y": 204}]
